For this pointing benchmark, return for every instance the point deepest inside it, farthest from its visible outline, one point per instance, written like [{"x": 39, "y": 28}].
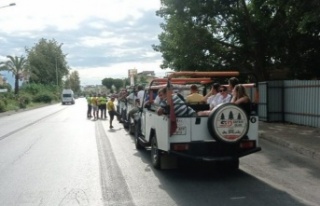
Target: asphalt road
[{"x": 55, "y": 156}]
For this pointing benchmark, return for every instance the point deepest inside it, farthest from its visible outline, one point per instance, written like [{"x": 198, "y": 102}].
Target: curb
[{"x": 293, "y": 146}]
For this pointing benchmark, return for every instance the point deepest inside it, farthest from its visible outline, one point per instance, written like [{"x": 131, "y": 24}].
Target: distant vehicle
[{"x": 67, "y": 97}]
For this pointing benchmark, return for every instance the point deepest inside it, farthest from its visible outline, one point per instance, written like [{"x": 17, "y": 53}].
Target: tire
[
  {"x": 131, "y": 126},
  {"x": 136, "y": 138},
  {"x": 228, "y": 123},
  {"x": 126, "y": 124},
  {"x": 155, "y": 153}
]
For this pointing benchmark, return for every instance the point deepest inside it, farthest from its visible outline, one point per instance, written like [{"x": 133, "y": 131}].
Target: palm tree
[{"x": 16, "y": 65}]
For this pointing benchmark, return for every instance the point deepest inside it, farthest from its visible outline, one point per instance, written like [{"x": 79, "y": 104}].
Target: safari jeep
[{"x": 224, "y": 136}]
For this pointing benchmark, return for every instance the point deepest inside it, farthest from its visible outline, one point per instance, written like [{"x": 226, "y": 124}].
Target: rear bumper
[{"x": 214, "y": 152}]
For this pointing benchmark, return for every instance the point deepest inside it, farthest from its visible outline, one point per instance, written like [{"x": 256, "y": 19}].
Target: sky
[{"x": 103, "y": 38}]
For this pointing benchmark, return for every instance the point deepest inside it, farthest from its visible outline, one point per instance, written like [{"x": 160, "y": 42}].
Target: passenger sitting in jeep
[
  {"x": 239, "y": 97},
  {"x": 180, "y": 108},
  {"x": 194, "y": 97}
]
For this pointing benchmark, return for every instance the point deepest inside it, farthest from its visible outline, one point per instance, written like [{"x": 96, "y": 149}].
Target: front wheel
[{"x": 155, "y": 153}]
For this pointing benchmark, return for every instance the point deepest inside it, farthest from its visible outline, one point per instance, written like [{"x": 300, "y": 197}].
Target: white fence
[{"x": 295, "y": 101}]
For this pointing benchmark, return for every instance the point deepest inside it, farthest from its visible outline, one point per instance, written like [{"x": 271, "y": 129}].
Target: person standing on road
[
  {"x": 89, "y": 111},
  {"x": 103, "y": 106},
  {"x": 94, "y": 103},
  {"x": 112, "y": 110},
  {"x": 122, "y": 103}
]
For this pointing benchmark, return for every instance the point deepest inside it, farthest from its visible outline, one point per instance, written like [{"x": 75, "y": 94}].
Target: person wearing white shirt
[
  {"x": 140, "y": 95},
  {"x": 224, "y": 96},
  {"x": 212, "y": 97}
]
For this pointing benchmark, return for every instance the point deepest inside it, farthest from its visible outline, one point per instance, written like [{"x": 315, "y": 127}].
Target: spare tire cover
[{"x": 228, "y": 123}]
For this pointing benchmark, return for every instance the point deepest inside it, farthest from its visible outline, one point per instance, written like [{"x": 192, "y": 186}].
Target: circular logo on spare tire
[{"x": 230, "y": 123}]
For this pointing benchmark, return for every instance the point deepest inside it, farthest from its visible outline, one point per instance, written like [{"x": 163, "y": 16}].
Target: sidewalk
[{"x": 302, "y": 139}]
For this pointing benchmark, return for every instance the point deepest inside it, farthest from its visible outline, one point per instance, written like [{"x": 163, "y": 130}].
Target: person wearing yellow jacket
[
  {"x": 89, "y": 111},
  {"x": 94, "y": 104},
  {"x": 112, "y": 110},
  {"x": 102, "y": 104}
]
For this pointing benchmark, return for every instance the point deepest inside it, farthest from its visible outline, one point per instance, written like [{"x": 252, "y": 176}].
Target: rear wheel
[
  {"x": 136, "y": 138},
  {"x": 155, "y": 153},
  {"x": 125, "y": 122},
  {"x": 131, "y": 126}
]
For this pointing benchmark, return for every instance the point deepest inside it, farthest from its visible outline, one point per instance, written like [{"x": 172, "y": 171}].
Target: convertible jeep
[{"x": 224, "y": 136}]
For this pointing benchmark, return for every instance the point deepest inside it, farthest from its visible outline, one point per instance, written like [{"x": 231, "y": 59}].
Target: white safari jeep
[{"x": 227, "y": 134}]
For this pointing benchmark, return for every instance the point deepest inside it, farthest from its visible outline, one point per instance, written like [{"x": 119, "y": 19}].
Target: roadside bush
[
  {"x": 24, "y": 100},
  {"x": 33, "y": 88},
  {"x": 45, "y": 98},
  {"x": 2, "y": 106}
]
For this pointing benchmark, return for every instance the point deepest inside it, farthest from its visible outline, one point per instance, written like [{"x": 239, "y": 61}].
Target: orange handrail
[{"x": 204, "y": 74}]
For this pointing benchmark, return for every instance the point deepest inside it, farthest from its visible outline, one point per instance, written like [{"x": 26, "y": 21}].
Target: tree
[
  {"x": 118, "y": 83},
  {"x": 256, "y": 36},
  {"x": 107, "y": 82},
  {"x": 15, "y": 65},
  {"x": 73, "y": 82},
  {"x": 47, "y": 62}
]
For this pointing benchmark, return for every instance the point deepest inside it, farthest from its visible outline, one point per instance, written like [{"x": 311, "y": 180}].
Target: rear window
[{"x": 66, "y": 95}]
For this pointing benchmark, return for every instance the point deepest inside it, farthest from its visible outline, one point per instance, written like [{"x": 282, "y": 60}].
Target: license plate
[{"x": 180, "y": 131}]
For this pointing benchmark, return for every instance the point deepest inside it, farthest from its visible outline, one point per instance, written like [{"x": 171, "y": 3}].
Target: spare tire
[{"x": 228, "y": 123}]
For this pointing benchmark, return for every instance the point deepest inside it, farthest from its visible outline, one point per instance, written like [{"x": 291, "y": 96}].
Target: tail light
[
  {"x": 180, "y": 147},
  {"x": 247, "y": 144}
]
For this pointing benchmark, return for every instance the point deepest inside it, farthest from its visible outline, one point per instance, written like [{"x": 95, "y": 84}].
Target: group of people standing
[
  {"x": 97, "y": 108},
  {"x": 97, "y": 105}
]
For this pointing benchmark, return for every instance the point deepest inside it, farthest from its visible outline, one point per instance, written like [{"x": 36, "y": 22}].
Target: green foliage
[
  {"x": 257, "y": 36},
  {"x": 107, "y": 82},
  {"x": 29, "y": 96},
  {"x": 24, "y": 100},
  {"x": 118, "y": 83},
  {"x": 6, "y": 86},
  {"x": 8, "y": 101},
  {"x": 34, "y": 89},
  {"x": 17, "y": 66},
  {"x": 47, "y": 62},
  {"x": 2, "y": 105},
  {"x": 73, "y": 82},
  {"x": 45, "y": 98}
]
